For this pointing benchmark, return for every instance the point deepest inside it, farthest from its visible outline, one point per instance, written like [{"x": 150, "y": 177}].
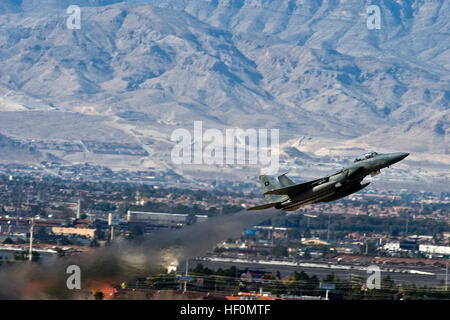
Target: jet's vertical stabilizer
[
  {"x": 268, "y": 185},
  {"x": 285, "y": 181}
]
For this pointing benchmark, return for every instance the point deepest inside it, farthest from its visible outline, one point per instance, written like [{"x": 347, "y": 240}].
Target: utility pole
[
  {"x": 78, "y": 209},
  {"x": 271, "y": 234},
  {"x": 446, "y": 276},
  {"x": 30, "y": 252},
  {"x": 185, "y": 282},
  {"x": 350, "y": 285},
  {"x": 328, "y": 229}
]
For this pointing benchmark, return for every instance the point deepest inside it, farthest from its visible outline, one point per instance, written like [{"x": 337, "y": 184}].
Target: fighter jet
[{"x": 340, "y": 184}]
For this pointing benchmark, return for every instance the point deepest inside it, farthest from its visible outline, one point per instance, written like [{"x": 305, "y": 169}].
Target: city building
[
  {"x": 86, "y": 232},
  {"x": 431, "y": 249}
]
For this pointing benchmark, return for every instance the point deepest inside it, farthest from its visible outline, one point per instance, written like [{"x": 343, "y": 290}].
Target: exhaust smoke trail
[{"x": 123, "y": 260}]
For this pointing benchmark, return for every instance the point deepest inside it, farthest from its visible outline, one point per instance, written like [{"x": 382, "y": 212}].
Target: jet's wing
[
  {"x": 298, "y": 188},
  {"x": 355, "y": 173},
  {"x": 264, "y": 206}
]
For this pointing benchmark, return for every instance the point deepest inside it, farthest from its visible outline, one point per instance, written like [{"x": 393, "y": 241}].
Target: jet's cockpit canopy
[{"x": 366, "y": 156}]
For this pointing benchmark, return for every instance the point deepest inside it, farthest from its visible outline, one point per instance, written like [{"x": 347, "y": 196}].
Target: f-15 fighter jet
[{"x": 290, "y": 196}]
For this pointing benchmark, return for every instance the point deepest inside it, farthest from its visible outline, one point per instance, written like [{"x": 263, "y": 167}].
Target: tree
[
  {"x": 136, "y": 231},
  {"x": 64, "y": 241},
  {"x": 20, "y": 241},
  {"x": 19, "y": 255},
  {"x": 41, "y": 231},
  {"x": 280, "y": 251},
  {"x": 8, "y": 241},
  {"x": 94, "y": 243},
  {"x": 60, "y": 252},
  {"x": 98, "y": 295},
  {"x": 307, "y": 233},
  {"x": 278, "y": 275},
  {"x": 35, "y": 256},
  {"x": 99, "y": 234}
]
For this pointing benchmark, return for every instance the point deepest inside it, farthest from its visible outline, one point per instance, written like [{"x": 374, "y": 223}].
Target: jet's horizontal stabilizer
[{"x": 264, "y": 206}]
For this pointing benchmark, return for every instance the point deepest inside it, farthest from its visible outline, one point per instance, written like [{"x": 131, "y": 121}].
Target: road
[{"x": 421, "y": 276}]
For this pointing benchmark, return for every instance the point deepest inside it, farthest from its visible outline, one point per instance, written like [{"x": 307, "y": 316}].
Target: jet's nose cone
[
  {"x": 398, "y": 156},
  {"x": 402, "y": 155}
]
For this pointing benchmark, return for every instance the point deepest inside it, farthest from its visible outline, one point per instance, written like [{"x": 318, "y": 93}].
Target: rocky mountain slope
[{"x": 138, "y": 70}]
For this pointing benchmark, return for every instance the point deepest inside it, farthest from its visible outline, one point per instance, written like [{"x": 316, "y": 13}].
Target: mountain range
[{"x": 137, "y": 70}]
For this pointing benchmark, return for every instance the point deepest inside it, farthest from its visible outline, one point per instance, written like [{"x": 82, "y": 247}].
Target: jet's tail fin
[
  {"x": 268, "y": 185},
  {"x": 285, "y": 181},
  {"x": 272, "y": 199}
]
